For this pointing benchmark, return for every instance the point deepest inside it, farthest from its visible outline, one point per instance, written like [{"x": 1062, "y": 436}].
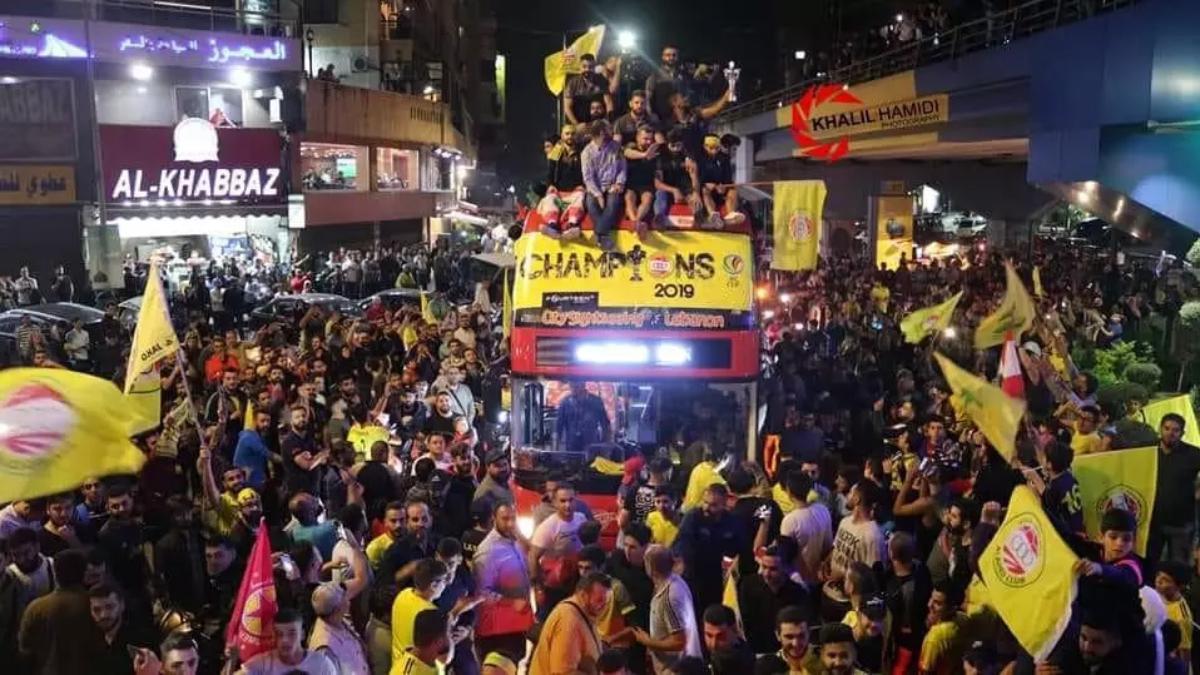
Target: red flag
[
  {"x": 252, "y": 625},
  {"x": 1011, "y": 380}
]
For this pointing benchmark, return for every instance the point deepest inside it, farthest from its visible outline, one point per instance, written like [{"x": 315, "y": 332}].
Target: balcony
[
  {"x": 341, "y": 114},
  {"x": 162, "y": 13}
]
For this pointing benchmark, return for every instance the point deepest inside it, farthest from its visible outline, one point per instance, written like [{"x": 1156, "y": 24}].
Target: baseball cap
[{"x": 246, "y": 496}]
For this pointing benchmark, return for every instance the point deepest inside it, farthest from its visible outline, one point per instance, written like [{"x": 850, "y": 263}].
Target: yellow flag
[
  {"x": 566, "y": 62},
  {"x": 1014, "y": 315},
  {"x": 145, "y": 402},
  {"x": 427, "y": 309},
  {"x": 153, "y": 338},
  {"x": 929, "y": 320},
  {"x": 1037, "y": 283},
  {"x": 1180, "y": 405},
  {"x": 506, "y": 312},
  {"x": 799, "y": 207},
  {"x": 57, "y": 427},
  {"x": 1028, "y": 571},
  {"x": 997, "y": 414},
  {"x": 1120, "y": 479},
  {"x": 248, "y": 420}
]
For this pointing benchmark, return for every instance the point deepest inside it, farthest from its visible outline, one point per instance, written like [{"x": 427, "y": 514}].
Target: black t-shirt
[
  {"x": 672, "y": 170},
  {"x": 471, "y": 539},
  {"x": 378, "y": 487},
  {"x": 627, "y": 125},
  {"x": 639, "y": 174},
  {"x": 760, "y": 605},
  {"x": 583, "y": 89},
  {"x": 297, "y": 478},
  {"x": 436, "y": 423},
  {"x": 743, "y": 512},
  {"x": 640, "y": 501},
  {"x": 1175, "y": 496},
  {"x": 715, "y": 168}
]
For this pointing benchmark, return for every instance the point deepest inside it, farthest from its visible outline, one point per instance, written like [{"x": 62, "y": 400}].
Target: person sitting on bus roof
[
  {"x": 639, "y": 115},
  {"x": 582, "y": 420},
  {"x": 693, "y": 121},
  {"x": 674, "y": 179},
  {"x": 639, "y": 186},
  {"x": 564, "y": 188},
  {"x": 715, "y": 175},
  {"x": 604, "y": 175},
  {"x": 583, "y": 89}
]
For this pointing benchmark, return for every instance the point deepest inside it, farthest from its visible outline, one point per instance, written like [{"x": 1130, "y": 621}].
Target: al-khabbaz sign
[{"x": 192, "y": 162}]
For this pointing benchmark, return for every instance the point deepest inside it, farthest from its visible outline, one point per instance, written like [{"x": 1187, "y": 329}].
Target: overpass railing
[{"x": 994, "y": 30}]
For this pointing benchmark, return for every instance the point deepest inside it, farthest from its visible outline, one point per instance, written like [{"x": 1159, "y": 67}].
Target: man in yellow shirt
[
  {"x": 941, "y": 651},
  {"x": 429, "y": 580},
  {"x": 703, "y": 475},
  {"x": 431, "y": 645},
  {"x": 1086, "y": 439},
  {"x": 663, "y": 521},
  {"x": 569, "y": 642},
  {"x": 393, "y": 520}
]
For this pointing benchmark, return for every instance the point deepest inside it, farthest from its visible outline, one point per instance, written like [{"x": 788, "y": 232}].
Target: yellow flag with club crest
[
  {"x": 1123, "y": 479},
  {"x": 57, "y": 427},
  {"x": 1029, "y": 573},
  {"x": 799, "y": 206}
]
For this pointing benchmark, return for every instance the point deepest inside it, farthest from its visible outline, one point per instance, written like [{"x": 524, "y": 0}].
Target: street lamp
[
  {"x": 626, "y": 40},
  {"x": 141, "y": 72},
  {"x": 309, "y": 35},
  {"x": 801, "y": 55}
]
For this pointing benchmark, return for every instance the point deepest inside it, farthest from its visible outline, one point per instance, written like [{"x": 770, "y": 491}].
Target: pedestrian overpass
[{"x": 1046, "y": 100}]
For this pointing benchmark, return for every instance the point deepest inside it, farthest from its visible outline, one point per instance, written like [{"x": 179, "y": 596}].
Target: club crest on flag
[
  {"x": 734, "y": 264},
  {"x": 1020, "y": 559},
  {"x": 34, "y": 421},
  {"x": 1121, "y": 497},
  {"x": 931, "y": 322},
  {"x": 800, "y": 225}
]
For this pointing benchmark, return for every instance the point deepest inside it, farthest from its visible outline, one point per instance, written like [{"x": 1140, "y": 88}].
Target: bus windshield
[{"x": 604, "y": 418}]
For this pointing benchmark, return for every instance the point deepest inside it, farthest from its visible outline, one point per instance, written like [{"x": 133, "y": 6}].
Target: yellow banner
[
  {"x": 835, "y": 120},
  {"x": 1028, "y": 571},
  {"x": 145, "y": 401},
  {"x": 33, "y": 184},
  {"x": 929, "y": 320},
  {"x": 799, "y": 208},
  {"x": 693, "y": 270},
  {"x": 1180, "y": 405},
  {"x": 893, "y": 230},
  {"x": 1124, "y": 479},
  {"x": 154, "y": 336},
  {"x": 997, "y": 414}
]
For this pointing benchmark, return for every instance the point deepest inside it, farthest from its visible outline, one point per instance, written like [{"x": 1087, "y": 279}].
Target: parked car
[
  {"x": 290, "y": 307},
  {"x": 55, "y": 319},
  {"x": 393, "y": 299}
]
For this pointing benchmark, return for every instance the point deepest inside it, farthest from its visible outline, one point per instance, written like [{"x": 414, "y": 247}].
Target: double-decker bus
[{"x": 662, "y": 330}]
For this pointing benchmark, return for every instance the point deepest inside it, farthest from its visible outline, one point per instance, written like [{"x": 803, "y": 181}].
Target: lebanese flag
[
  {"x": 1011, "y": 380},
  {"x": 252, "y": 624}
]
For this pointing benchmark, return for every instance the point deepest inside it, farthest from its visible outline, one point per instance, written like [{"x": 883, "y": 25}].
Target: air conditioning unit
[{"x": 360, "y": 64}]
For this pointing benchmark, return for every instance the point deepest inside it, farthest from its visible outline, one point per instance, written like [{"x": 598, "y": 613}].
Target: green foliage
[
  {"x": 1144, "y": 373},
  {"x": 1111, "y": 363},
  {"x": 1193, "y": 254},
  {"x": 1189, "y": 314},
  {"x": 1115, "y": 395}
]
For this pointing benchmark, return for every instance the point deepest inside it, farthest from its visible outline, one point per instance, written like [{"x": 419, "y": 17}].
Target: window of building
[
  {"x": 220, "y": 105},
  {"x": 326, "y": 166},
  {"x": 397, "y": 169}
]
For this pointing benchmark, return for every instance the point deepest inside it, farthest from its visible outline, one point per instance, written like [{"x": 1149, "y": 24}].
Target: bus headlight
[{"x": 502, "y": 417}]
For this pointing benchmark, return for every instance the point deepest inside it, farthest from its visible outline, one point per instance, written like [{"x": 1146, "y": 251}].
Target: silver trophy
[{"x": 731, "y": 76}]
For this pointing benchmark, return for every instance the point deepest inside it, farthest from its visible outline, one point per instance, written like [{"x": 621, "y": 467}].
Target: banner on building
[{"x": 36, "y": 184}]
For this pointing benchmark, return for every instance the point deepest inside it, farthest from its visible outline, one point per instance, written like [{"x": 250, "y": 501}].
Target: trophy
[{"x": 731, "y": 76}]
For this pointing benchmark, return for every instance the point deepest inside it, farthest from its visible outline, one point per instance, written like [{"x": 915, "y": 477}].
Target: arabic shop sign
[
  {"x": 25, "y": 37},
  {"x": 191, "y": 163},
  {"x": 36, "y": 184},
  {"x": 37, "y": 120}
]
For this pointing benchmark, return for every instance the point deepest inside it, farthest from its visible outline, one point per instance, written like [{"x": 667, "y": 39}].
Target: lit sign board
[
  {"x": 36, "y": 38},
  {"x": 32, "y": 184},
  {"x": 194, "y": 162}
]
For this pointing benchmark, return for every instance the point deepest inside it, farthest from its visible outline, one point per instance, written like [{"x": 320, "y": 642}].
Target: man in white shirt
[
  {"x": 810, "y": 525},
  {"x": 76, "y": 344},
  {"x": 859, "y": 538},
  {"x": 556, "y": 537},
  {"x": 27, "y": 288},
  {"x": 289, "y": 654}
]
